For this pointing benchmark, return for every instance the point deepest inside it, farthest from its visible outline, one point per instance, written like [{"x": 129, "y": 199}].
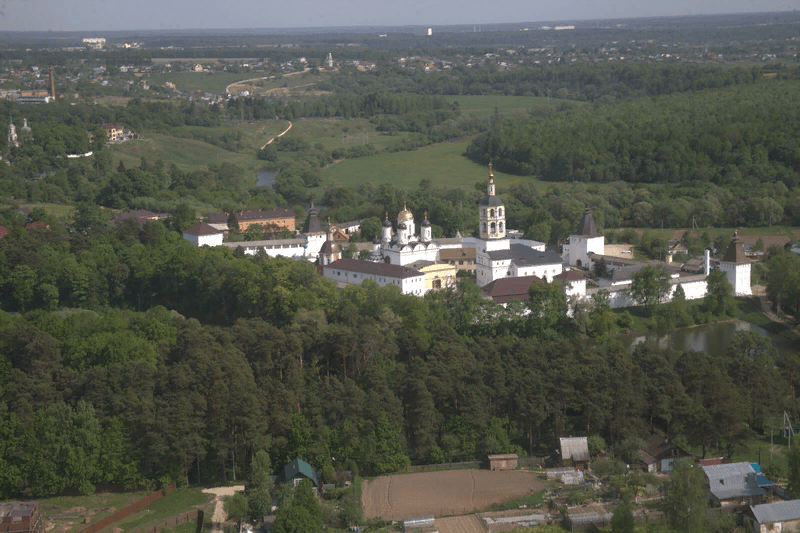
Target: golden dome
[{"x": 405, "y": 214}]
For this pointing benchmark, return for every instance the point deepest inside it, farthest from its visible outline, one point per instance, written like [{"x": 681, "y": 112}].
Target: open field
[
  {"x": 281, "y": 85},
  {"x": 459, "y": 524},
  {"x": 60, "y": 211},
  {"x": 506, "y": 105},
  {"x": 65, "y": 514},
  {"x": 446, "y": 493},
  {"x": 188, "y": 154},
  {"x": 444, "y": 164}
]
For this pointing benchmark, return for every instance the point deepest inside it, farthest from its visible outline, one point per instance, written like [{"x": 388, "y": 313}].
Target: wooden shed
[{"x": 507, "y": 461}]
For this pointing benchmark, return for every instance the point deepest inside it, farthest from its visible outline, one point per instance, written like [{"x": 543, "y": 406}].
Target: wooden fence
[
  {"x": 524, "y": 461},
  {"x": 129, "y": 510}
]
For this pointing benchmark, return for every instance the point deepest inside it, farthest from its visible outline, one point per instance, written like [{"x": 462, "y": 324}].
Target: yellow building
[{"x": 437, "y": 275}]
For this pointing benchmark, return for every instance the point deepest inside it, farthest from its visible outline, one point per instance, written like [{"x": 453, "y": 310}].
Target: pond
[
  {"x": 266, "y": 178},
  {"x": 710, "y": 338}
]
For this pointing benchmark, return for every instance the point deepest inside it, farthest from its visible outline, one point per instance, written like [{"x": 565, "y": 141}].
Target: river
[
  {"x": 710, "y": 338},
  {"x": 266, "y": 178}
]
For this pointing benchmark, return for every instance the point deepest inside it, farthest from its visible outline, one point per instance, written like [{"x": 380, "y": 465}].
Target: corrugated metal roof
[
  {"x": 732, "y": 480},
  {"x": 777, "y": 512}
]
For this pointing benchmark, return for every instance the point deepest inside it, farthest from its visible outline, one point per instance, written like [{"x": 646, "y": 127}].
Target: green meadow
[{"x": 443, "y": 164}]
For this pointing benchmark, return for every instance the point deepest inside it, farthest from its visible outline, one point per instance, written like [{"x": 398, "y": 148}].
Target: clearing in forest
[{"x": 447, "y": 493}]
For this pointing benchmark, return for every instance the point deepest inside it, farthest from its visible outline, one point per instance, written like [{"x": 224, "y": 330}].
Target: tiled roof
[
  {"x": 375, "y": 269},
  {"x": 202, "y": 229},
  {"x": 218, "y": 218},
  {"x": 37, "y": 224},
  {"x": 3, "y": 231},
  {"x": 506, "y": 289}
]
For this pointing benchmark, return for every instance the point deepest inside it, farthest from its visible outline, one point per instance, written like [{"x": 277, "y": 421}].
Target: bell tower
[{"x": 491, "y": 213}]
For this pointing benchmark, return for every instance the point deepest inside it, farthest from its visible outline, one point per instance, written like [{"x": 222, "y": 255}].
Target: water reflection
[{"x": 710, "y": 338}]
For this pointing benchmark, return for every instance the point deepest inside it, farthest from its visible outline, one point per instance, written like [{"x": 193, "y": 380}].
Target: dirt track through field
[{"x": 449, "y": 493}]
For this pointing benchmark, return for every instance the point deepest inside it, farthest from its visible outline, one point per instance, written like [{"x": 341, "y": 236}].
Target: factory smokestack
[{"x": 52, "y": 83}]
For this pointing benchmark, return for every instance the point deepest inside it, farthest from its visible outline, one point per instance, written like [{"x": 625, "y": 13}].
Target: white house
[
  {"x": 203, "y": 234},
  {"x": 353, "y": 272}
]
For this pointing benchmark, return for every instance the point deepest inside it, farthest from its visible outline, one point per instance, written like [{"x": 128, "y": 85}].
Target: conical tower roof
[
  {"x": 586, "y": 228},
  {"x": 735, "y": 253}
]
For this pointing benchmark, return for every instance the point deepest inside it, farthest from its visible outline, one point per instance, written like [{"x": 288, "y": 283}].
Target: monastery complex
[{"x": 505, "y": 265}]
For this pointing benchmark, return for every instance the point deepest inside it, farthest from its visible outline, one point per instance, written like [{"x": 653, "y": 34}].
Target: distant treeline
[
  {"x": 731, "y": 137},
  {"x": 575, "y": 81}
]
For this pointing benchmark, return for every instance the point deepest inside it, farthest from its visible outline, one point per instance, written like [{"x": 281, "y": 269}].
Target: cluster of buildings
[{"x": 505, "y": 265}]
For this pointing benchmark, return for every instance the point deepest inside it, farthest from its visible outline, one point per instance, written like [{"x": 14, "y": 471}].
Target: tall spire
[{"x": 490, "y": 189}]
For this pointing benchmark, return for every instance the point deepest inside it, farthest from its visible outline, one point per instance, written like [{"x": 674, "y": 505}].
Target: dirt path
[
  {"x": 279, "y": 135},
  {"x": 220, "y": 516},
  {"x": 244, "y": 82},
  {"x": 766, "y": 307}
]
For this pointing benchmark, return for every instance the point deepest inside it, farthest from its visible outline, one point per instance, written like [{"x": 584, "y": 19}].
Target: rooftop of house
[
  {"x": 139, "y": 213},
  {"x": 374, "y": 269},
  {"x": 575, "y": 448},
  {"x": 17, "y": 509},
  {"x": 734, "y": 480},
  {"x": 776, "y": 512},
  {"x": 661, "y": 448},
  {"x": 203, "y": 229},
  {"x": 504, "y": 290},
  {"x": 457, "y": 254},
  {"x": 569, "y": 275},
  {"x": 298, "y": 466},
  {"x": 735, "y": 252},
  {"x": 522, "y": 255}
]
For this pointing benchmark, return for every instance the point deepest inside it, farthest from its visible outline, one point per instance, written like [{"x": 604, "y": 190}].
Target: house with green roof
[{"x": 295, "y": 472}]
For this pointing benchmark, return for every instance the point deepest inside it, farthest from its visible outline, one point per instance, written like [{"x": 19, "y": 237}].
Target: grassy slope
[
  {"x": 179, "y": 501},
  {"x": 188, "y": 154},
  {"x": 444, "y": 164}
]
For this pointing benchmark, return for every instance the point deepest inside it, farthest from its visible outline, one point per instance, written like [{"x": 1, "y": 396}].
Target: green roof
[{"x": 296, "y": 468}]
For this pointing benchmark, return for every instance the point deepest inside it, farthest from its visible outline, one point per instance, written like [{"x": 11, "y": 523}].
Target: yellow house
[{"x": 438, "y": 275}]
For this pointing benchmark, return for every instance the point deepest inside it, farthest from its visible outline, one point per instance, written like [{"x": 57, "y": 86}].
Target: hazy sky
[{"x": 99, "y": 15}]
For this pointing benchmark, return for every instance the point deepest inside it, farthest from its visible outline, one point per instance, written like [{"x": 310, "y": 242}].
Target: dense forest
[{"x": 138, "y": 357}]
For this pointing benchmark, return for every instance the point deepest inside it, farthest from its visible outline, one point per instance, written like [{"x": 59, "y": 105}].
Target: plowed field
[
  {"x": 459, "y": 524},
  {"x": 449, "y": 493}
]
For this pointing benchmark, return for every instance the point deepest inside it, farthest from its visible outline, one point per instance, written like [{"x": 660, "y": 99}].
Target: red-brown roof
[
  {"x": 375, "y": 269},
  {"x": 38, "y": 224},
  {"x": 569, "y": 275},
  {"x": 3, "y": 231},
  {"x": 203, "y": 229},
  {"x": 506, "y": 289}
]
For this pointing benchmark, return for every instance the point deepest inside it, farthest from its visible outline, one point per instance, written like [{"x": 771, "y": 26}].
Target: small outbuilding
[
  {"x": 777, "y": 517},
  {"x": 575, "y": 450},
  {"x": 419, "y": 524},
  {"x": 507, "y": 461},
  {"x": 295, "y": 472}
]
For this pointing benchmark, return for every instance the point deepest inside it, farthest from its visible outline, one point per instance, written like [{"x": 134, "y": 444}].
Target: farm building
[
  {"x": 733, "y": 484},
  {"x": 20, "y": 517},
  {"x": 780, "y": 517},
  {"x": 506, "y": 461},
  {"x": 567, "y": 476},
  {"x": 419, "y": 524},
  {"x": 575, "y": 450},
  {"x": 582, "y": 518}
]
